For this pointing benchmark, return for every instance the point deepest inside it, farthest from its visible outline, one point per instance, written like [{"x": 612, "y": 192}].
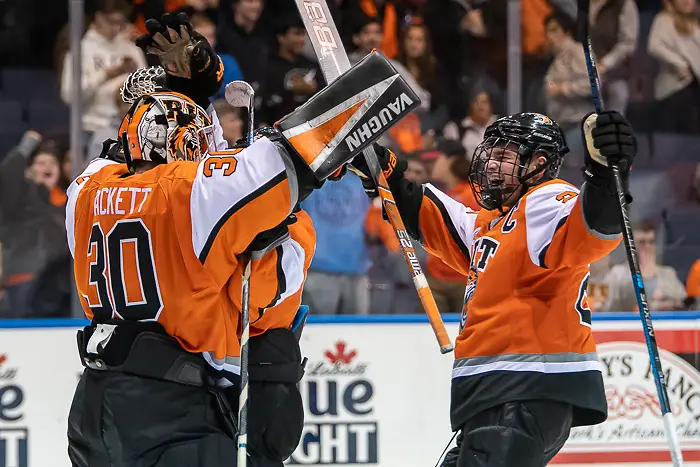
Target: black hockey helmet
[{"x": 496, "y": 181}]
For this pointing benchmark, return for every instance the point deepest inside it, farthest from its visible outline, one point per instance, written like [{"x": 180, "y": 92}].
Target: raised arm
[{"x": 444, "y": 226}]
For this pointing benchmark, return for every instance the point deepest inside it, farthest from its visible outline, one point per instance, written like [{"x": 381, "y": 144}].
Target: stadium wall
[{"x": 376, "y": 392}]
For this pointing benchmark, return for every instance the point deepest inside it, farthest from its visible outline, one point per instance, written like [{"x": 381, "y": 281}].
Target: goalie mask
[
  {"x": 505, "y": 164},
  {"x": 164, "y": 127}
]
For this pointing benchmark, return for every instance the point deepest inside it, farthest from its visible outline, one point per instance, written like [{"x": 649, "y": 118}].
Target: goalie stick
[
  {"x": 333, "y": 61},
  {"x": 632, "y": 258},
  {"x": 241, "y": 94}
]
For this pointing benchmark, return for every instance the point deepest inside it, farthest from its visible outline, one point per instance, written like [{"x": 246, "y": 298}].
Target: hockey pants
[
  {"x": 124, "y": 418},
  {"x": 515, "y": 434}
]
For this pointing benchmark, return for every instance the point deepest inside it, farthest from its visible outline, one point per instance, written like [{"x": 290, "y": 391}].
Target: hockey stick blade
[{"x": 239, "y": 93}]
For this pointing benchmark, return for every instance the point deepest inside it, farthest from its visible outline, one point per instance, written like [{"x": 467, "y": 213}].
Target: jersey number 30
[{"x": 111, "y": 283}]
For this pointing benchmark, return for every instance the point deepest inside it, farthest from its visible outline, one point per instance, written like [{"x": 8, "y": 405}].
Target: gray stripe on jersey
[{"x": 563, "y": 357}]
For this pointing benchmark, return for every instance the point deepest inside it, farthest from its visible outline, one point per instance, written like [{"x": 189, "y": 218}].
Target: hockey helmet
[
  {"x": 501, "y": 170},
  {"x": 165, "y": 127}
]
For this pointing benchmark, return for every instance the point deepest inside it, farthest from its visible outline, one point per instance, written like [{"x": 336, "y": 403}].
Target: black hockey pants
[
  {"x": 515, "y": 434},
  {"x": 160, "y": 408}
]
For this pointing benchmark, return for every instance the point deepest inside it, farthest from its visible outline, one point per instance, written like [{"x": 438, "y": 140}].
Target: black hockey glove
[
  {"x": 192, "y": 66},
  {"x": 392, "y": 166},
  {"x": 608, "y": 140},
  {"x": 272, "y": 238}
]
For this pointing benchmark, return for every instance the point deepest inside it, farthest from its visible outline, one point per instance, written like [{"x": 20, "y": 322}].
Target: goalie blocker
[{"x": 351, "y": 113}]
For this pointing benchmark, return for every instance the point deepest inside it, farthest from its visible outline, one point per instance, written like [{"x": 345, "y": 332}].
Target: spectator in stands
[
  {"x": 99, "y": 136},
  {"x": 32, "y": 229},
  {"x": 470, "y": 131},
  {"x": 567, "y": 87},
  {"x": 536, "y": 57},
  {"x": 614, "y": 32},
  {"x": 416, "y": 55},
  {"x": 207, "y": 28},
  {"x": 230, "y": 121},
  {"x": 451, "y": 172},
  {"x": 664, "y": 290},
  {"x": 692, "y": 286},
  {"x": 387, "y": 13},
  {"x": 337, "y": 281},
  {"x": 674, "y": 41},
  {"x": 107, "y": 58},
  {"x": 292, "y": 78},
  {"x": 241, "y": 35},
  {"x": 367, "y": 36},
  {"x": 598, "y": 290}
]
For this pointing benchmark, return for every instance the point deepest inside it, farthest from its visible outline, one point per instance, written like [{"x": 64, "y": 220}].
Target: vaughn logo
[
  {"x": 378, "y": 122},
  {"x": 340, "y": 425},
  {"x": 634, "y": 412}
]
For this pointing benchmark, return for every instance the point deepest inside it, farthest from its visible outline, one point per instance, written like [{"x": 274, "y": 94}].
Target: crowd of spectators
[{"x": 452, "y": 53}]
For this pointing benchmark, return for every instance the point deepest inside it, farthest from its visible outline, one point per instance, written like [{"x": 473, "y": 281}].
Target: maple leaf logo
[
  {"x": 3, "y": 359},
  {"x": 340, "y": 354}
]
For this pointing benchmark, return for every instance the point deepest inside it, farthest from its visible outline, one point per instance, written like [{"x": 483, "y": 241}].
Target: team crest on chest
[{"x": 484, "y": 249}]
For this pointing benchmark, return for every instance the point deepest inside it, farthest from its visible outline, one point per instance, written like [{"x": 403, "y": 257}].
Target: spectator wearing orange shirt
[
  {"x": 386, "y": 12},
  {"x": 451, "y": 172}
]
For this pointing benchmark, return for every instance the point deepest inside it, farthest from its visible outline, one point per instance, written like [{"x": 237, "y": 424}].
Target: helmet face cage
[
  {"x": 500, "y": 170},
  {"x": 166, "y": 127}
]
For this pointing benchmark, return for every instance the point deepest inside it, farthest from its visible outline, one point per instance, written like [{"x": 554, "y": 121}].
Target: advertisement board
[{"x": 376, "y": 392}]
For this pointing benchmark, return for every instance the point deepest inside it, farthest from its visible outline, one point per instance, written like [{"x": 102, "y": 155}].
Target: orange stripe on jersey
[{"x": 446, "y": 229}]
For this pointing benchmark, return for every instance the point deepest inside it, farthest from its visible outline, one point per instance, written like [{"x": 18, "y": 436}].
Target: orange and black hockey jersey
[
  {"x": 162, "y": 245},
  {"x": 525, "y": 329}
]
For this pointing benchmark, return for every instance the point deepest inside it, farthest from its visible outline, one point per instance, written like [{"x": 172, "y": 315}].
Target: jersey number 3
[{"x": 115, "y": 286}]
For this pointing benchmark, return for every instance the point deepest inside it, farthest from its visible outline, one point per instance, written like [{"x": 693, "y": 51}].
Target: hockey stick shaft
[
  {"x": 243, "y": 396},
  {"x": 242, "y": 94},
  {"x": 333, "y": 61},
  {"x": 632, "y": 257}
]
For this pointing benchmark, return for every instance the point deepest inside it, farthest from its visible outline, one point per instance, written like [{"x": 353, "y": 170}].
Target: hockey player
[
  {"x": 525, "y": 368},
  {"x": 156, "y": 229}
]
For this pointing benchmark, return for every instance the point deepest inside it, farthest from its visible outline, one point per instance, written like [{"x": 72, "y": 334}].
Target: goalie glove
[{"x": 192, "y": 66}]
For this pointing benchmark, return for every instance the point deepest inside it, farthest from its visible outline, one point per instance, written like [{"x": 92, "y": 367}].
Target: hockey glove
[
  {"x": 609, "y": 140},
  {"x": 272, "y": 238},
  {"x": 192, "y": 66},
  {"x": 392, "y": 167}
]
